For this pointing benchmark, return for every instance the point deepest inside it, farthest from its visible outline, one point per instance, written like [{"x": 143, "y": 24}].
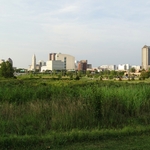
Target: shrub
[
  {"x": 132, "y": 78},
  {"x": 77, "y": 78}
]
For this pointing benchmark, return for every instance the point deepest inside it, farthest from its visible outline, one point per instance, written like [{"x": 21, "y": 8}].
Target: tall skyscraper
[
  {"x": 146, "y": 57},
  {"x": 33, "y": 66}
]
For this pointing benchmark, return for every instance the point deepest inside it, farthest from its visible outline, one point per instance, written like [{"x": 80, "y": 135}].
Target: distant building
[
  {"x": 137, "y": 68},
  {"x": 35, "y": 66},
  {"x": 89, "y": 66},
  {"x": 108, "y": 67},
  {"x": 53, "y": 65},
  {"x": 82, "y": 65},
  {"x": 58, "y": 61},
  {"x": 32, "y": 67},
  {"x": 68, "y": 60},
  {"x": 42, "y": 63},
  {"x": 52, "y": 56},
  {"x": 146, "y": 57},
  {"x": 123, "y": 67}
]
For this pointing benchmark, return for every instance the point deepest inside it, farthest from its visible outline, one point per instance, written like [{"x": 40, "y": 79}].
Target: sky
[{"x": 104, "y": 32}]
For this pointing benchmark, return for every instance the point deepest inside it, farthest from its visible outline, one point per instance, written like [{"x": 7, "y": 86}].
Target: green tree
[
  {"x": 59, "y": 75},
  {"x": 113, "y": 73},
  {"x": 71, "y": 76},
  {"x": 80, "y": 73},
  {"x": 53, "y": 72},
  {"x": 63, "y": 72},
  {"x": 120, "y": 73},
  {"x": 88, "y": 73},
  {"x": 101, "y": 73},
  {"x": 77, "y": 77},
  {"x": 106, "y": 72},
  {"x": 6, "y": 70},
  {"x": 132, "y": 69},
  {"x": 145, "y": 74}
]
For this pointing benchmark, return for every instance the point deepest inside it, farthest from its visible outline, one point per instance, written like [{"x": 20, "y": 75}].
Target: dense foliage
[{"x": 6, "y": 70}]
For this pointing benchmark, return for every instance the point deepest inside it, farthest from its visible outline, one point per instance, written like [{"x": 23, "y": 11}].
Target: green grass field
[
  {"x": 139, "y": 142},
  {"x": 36, "y": 113},
  {"x": 128, "y": 143}
]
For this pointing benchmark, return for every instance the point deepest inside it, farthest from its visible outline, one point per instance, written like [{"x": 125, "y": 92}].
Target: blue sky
[{"x": 101, "y": 31}]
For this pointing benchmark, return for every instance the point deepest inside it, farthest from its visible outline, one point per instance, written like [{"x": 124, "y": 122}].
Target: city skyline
[
  {"x": 101, "y": 32},
  {"x": 68, "y": 62}
]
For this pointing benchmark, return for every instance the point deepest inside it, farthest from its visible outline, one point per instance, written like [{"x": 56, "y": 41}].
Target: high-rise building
[
  {"x": 146, "y": 57},
  {"x": 33, "y": 66}
]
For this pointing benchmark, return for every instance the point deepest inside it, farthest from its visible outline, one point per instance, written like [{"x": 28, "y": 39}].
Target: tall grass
[{"x": 36, "y": 107}]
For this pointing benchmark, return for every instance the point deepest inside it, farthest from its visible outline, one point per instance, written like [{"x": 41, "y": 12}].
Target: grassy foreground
[
  {"x": 128, "y": 143},
  {"x": 52, "y": 114},
  {"x": 114, "y": 142}
]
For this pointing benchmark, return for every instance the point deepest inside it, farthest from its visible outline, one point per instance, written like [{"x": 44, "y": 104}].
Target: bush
[
  {"x": 71, "y": 76},
  {"x": 6, "y": 70},
  {"x": 120, "y": 79},
  {"x": 110, "y": 77},
  {"x": 132, "y": 78},
  {"x": 77, "y": 78}
]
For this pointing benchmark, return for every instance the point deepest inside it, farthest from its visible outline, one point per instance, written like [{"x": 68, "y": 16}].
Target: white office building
[
  {"x": 123, "y": 67},
  {"x": 69, "y": 61},
  {"x": 53, "y": 65},
  {"x": 108, "y": 67}
]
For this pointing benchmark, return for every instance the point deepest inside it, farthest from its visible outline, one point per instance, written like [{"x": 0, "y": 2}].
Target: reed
[{"x": 37, "y": 107}]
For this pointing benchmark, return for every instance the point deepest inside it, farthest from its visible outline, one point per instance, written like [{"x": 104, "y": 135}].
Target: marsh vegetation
[{"x": 41, "y": 107}]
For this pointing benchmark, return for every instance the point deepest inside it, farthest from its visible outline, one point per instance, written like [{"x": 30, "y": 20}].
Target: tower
[
  {"x": 33, "y": 66},
  {"x": 146, "y": 57}
]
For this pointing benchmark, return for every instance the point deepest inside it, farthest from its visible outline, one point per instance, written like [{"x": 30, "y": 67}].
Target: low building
[
  {"x": 123, "y": 67},
  {"x": 89, "y": 66},
  {"x": 108, "y": 67},
  {"x": 137, "y": 68},
  {"x": 53, "y": 65}
]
